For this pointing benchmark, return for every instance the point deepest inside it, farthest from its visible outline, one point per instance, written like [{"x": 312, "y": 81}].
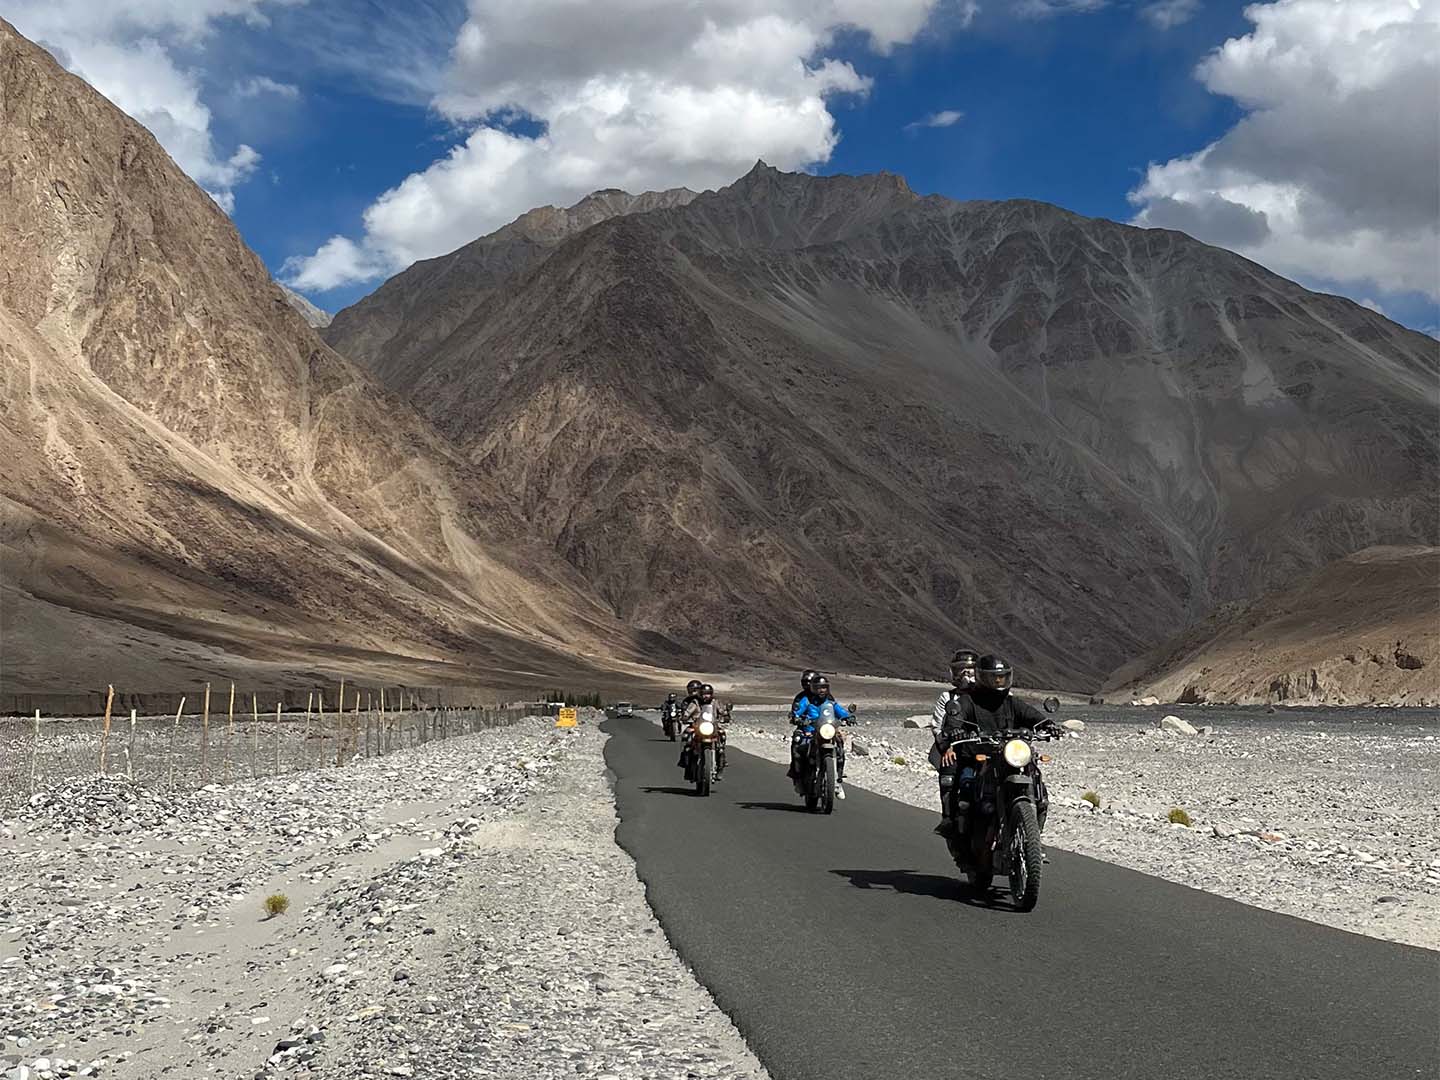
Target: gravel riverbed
[
  {"x": 1339, "y": 827},
  {"x": 459, "y": 909}
]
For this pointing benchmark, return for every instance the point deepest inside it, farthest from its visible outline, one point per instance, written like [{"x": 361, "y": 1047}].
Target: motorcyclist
[
  {"x": 704, "y": 698},
  {"x": 670, "y": 710},
  {"x": 805, "y": 678},
  {"x": 807, "y": 712},
  {"x": 962, "y": 677},
  {"x": 987, "y": 709}
]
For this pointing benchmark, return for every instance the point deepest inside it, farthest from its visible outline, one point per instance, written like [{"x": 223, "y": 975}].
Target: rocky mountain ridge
[
  {"x": 827, "y": 418},
  {"x": 1364, "y": 630},
  {"x": 195, "y": 483}
]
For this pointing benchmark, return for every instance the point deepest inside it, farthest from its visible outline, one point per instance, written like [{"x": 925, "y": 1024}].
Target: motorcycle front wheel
[
  {"x": 827, "y": 786},
  {"x": 1025, "y": 857},
  {"x": 706, "y": 773}
]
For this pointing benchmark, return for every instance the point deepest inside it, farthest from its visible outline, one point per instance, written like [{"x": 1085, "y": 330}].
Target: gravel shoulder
[
  {"x": 1339, "y": 829},
  {"x": 456, "y": 910}
]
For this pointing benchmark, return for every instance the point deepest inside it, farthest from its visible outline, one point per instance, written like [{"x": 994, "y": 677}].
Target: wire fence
[{"x": 221, "y": 739}]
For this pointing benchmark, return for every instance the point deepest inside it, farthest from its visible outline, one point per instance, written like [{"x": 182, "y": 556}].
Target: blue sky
[{"x": 348, "y": 137}]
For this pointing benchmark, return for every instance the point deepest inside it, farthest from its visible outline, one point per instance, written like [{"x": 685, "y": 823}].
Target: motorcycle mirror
[{"x": 1051, "y": 704}]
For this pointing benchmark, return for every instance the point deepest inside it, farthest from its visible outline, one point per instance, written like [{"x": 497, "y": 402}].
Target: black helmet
[
  {"x": 963, "y": 660},
  {"x": 805, "y": 679},
  {"x": 820, "y": 685},
  {"x": 995, "y": 673},
  {"x": 693, "y": 687},
  {"x": 707, "y": 692},
  {"x": 672, "y": 696}
]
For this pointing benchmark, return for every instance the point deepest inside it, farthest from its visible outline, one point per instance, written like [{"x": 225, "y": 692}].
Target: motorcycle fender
[{"x": 1019, "y": 786}]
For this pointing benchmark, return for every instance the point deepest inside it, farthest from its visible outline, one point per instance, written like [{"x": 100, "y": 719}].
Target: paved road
[{"x": 844, "y": 947}]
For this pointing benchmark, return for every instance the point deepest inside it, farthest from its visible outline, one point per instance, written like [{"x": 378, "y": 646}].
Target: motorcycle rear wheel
[{"x": 1025, "y": 857}]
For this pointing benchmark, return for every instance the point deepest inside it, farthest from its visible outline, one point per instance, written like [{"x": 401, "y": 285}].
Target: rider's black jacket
[{"x": 989, "y": 711}]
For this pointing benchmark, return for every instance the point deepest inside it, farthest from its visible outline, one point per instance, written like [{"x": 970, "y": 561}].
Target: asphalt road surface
[{"x": 846, "y": 947}]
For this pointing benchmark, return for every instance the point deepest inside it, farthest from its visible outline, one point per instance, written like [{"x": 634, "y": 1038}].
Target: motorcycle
[
  {"x": 707, "y": 739},
  {"x": 818, "y": 748},
  {"x": 1008, "y": 804},
  {"x": 670, "y": 721}
]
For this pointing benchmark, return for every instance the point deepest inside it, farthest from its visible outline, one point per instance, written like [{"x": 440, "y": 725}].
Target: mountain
[
  {"x": 827, "y": 419},
  {"x": 313, "y": 316},
  {"x": 404, "y": 318},
  {"x": 1362, "y": 630},
  {"x": 195, "y": 485}
]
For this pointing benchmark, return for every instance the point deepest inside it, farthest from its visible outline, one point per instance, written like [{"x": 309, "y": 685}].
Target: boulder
[
  {"x": 1148, "y": 699},
  {"x": 1073, "y": 725},
  {"x": 859, "y": 748},
  {"x": 919, "y": 720},
  {"x": 1175, "y": 726},
  {"x": 1206, "y": 729}
]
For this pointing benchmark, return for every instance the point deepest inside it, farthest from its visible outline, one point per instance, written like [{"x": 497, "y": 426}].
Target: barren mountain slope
[
  {"x": 187, "y": 463},
  {"x": 404, "y": 318},
  {"x": 828, "y": 419},
  {"x": 1362, "y": 630},
  {"x": 313, "y": 316}
]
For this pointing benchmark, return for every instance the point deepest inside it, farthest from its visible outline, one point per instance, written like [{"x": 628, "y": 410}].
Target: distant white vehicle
[{"x": 624, "y": 708}]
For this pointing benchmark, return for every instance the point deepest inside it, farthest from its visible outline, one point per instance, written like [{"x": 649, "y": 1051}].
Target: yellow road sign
[{"x": 566, "y": 718}]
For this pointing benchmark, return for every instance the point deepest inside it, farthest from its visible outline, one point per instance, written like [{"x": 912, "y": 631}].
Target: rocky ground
[
  {"x": 454, "y": 910},
  {"x": 1339, "y": 828}
]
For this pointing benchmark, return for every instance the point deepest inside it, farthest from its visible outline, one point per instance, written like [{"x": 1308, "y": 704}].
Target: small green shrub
[
  {"x": 1091, "y": 798},
  {"x": 1178, "y": 817},
  {"x": 897, "y": 760},
  {"x": 276, "y": 904}
]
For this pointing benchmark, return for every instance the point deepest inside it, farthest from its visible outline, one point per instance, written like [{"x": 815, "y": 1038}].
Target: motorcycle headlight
[
  {"x": 827, "y": 731},
  {"x": 707, "y": 729},
  {"x": 1017, "y": 753}
]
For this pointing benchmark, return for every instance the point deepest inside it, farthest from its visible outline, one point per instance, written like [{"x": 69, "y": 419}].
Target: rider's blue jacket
[{"x": 807, "y": 711}]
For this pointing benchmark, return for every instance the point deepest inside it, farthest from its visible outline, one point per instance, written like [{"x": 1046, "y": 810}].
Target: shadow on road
[
  {"x": 908, "y": 881},
  {"x": 668, "y": 790},
  {"x": 794, "y": 808}
]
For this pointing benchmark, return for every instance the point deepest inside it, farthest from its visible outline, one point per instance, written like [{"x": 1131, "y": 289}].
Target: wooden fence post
[
  {"x": 35, "y": 753},
  {"x": 205, "y": 737},
  {"x": 305, "y": 736},
  {"x": 173, "y": 730},
  {"x": 320, "y": 751},
  {"x": 229, "y": 733},
  {"x": 254, "y": 736},
  {"x": 130, "y": 750},
  {"x": 277, "y": 738},
  {"x": 105, "y": 731}
]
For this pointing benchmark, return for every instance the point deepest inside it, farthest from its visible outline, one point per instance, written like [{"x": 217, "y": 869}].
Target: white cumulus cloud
[
  {"x": 943, "y": 118},
  {"x": 1332, "y": 172},
  {"x": 1167, "y": 14},
  {"x": 638, "y": 94},
  {"x": 127, "y": 51}
]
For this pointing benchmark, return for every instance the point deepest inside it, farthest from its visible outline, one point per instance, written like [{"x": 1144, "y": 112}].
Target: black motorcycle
[
  {"x": 1008, "y": 804},
  {"x": 670, "y": 721},
  {"x": 819, "y": 744}
]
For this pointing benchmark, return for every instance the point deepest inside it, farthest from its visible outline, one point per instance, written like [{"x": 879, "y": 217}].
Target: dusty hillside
[
  {"x": 412, "y": 313},
  {"x": 1362, "y": 630},
  {"x": 315, "y": 318},
  {"x": 193, "y": 477},
  {"x": 829, "y": 419}
]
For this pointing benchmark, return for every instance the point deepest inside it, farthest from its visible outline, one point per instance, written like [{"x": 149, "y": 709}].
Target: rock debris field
[
  {"x": 458, "y": 909},
  {"x": 1335, "y": 827}
]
